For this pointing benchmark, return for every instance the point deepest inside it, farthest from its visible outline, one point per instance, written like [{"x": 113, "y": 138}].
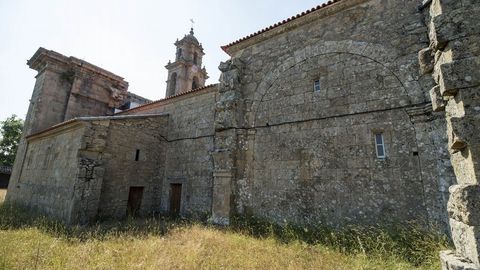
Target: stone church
[{"x": 353, "y": 112}]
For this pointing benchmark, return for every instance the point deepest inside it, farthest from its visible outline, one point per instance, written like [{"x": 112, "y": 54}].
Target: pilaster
[{"x": 453, "y": 59}]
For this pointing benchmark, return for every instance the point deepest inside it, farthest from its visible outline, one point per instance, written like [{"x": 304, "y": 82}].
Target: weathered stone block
[
  {"x": 438, "y": 104},
  {"x": 450, "y": 261},
  {"x": 459, "y": 74},
  {"x": 463, "y": 129},
  {"x": 466, "y": 239},
  {"x": 464, "y": 204},
  {"x": 464, "y": 47},
  {"x": 425, "y": 59},
  {"x": 455, "y": 24},
  {"x": 464, "y": 169},
  {"x": 222, "y": 190}
]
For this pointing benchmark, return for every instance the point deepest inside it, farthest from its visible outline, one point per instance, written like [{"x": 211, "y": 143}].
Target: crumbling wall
[{"x": 453, "y": 60}]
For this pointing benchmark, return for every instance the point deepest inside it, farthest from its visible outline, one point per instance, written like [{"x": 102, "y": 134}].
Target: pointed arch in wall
[{"x": 375, "y": 52}]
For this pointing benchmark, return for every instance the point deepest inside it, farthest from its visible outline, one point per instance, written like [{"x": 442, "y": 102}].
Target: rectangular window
[
  {"x": 380, "y": 145},
  {"x": 137, "y": 154},
  {"x": 316, "y": 86}
]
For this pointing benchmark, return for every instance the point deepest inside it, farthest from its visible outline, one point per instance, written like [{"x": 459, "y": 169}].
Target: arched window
[
  {"x": 195, "y": 58},
  {"x": 194, "y": 83},
  {"x": 173, "y": 84}
]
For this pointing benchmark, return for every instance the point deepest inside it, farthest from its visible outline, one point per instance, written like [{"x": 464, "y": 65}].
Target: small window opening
[
  {"x": 194, "y": 83},
  {"x": 415, "y": 153},
  {"x": 380, "y": 145},
  {"x": 137, "y": 154},
  {"x": 179, "y": 53},
  {"x": 316, "y": 86},
  {"x": 195, "y": 58}
]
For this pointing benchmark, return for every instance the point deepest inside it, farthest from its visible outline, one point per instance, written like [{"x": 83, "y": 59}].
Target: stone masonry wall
[
  {"x": 47, "y": 177},
  {"x": 309, "y": 157},
  {"x": 189, "y": 143},
  {"x": 83, "y": 169},
  {"x": 122, "y": 171},
  {"x": 453, "y": 60},
  {"x": 65, "y": 88}
]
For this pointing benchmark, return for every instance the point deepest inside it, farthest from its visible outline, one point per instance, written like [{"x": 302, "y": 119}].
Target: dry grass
[
  {"x": 191, "y": 247},
  {"x": 37, "y": 243},
  {"x": 3, "y": 193}
]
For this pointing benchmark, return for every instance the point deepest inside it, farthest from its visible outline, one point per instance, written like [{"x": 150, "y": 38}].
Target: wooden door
[
  {"x": 175, "y": 199},
  {"x": 134, "y": 201}
]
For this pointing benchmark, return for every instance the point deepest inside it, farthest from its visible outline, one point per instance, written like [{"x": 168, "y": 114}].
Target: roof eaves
[{"x": 168, "y": 98}]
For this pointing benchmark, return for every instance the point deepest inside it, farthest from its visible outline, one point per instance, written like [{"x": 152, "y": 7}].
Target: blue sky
[{"x": 133, "y": 39}]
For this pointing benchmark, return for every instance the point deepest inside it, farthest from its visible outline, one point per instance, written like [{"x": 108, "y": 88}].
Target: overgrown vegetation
[
  {"x": 31, "y": 241},
  {"x": 10, "y": 134},
  {"x": 406, "y": 243}
]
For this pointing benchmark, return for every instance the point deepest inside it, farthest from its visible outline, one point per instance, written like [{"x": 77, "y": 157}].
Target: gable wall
[{"x": 311, "y": 156}]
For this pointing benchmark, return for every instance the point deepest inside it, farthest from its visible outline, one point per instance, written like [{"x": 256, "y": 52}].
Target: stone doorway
[
  {"x": 135, "y": 196},
  {"x": 175, "y": 199}
]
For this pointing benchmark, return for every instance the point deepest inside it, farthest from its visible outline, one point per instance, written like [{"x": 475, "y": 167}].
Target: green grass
[{"x": 29, "y": 241}]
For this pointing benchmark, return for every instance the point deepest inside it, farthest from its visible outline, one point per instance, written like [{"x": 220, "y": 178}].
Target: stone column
[
  {"x": 227, "y": 121},
  {"x": 453, "y": 59}
]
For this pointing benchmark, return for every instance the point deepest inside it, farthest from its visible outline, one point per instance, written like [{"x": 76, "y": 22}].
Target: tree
[{"x": 10, "y": 132}]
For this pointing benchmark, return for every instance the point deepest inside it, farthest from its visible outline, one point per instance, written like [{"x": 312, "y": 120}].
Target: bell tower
[{"x": 186, "y": 72}]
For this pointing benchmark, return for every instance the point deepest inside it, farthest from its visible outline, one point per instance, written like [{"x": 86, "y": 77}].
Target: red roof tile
[{"x": 170, "y": 97}]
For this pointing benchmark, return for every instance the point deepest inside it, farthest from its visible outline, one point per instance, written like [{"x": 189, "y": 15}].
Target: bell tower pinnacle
[{"x": 186, "y": 72}]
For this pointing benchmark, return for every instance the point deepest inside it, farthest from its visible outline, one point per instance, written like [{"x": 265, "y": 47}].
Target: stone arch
[{"x": 375, "y": 52}]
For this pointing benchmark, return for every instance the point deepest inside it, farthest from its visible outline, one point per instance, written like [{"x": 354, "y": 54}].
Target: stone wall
[
  {"x": 453, "y": 60},
  {"x": 189, "y": 143},
  {"x": 65, "y": 88},
  {"x": 123, "y": 171},
  {"x": 84, "y": 168},
  {"x": 47, "y": 176},
  {"x": 309, "y": 157}
]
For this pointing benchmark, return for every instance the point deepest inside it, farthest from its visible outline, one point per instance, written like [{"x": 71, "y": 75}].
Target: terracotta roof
[
  {"x": 51, "y": 128},
  {"x": 170, "y": 97},
  {"x": 224, "y": 48}
]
